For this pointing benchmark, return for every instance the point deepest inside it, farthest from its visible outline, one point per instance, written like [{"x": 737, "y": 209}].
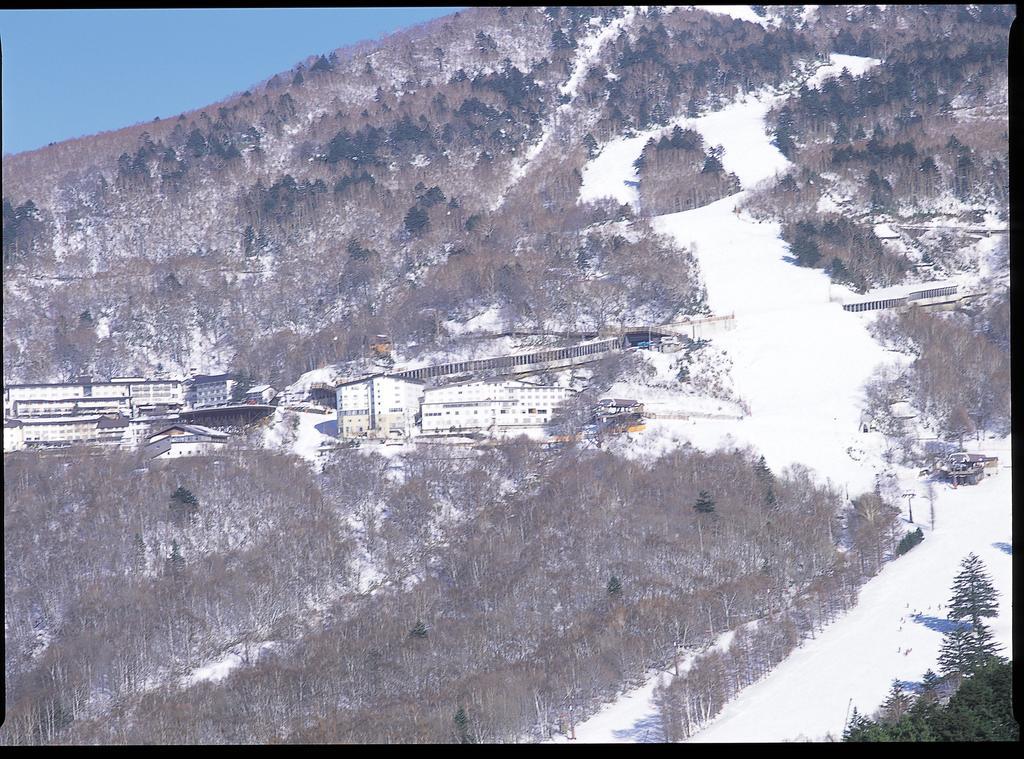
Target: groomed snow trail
[
  {"x": 854, "y": 660},
  {"x": 800, "y": 362}
]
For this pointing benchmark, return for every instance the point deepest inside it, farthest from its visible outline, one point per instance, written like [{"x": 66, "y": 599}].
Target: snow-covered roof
[
  {"x": 903, "y": 410},
  {"x": 885, "y": 232},
  {"x": 201, "y": 379},
  {"x": 108, "y": 422},
  {"x": 191, "y": 429}
]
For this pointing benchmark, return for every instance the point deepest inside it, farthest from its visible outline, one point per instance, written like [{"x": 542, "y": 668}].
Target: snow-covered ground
[
  {"x": 799, "y": 360},
  {"x": 311, "y": 430},
  {"x": 739, "y": 128},
  {"x": 857, "y": 65},
  {"x": 611, "y": 173},
  {"x": 800, "y": 363},
  {"x": 221, "y": 668},
  {"x": 739, "y": 12},
  {"x": 630, "y": 719}
]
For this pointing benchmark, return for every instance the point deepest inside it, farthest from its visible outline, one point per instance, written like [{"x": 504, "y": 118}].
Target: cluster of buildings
[
  {"x": 962, "y": 468},
  {"x": 388, "y": 407},
  {"x": 123, "y": 411}
]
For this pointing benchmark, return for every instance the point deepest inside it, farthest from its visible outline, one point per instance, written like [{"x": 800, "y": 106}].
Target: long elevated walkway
[
  {"x": 937, "y": 296},
  {"x": 548, "y": 358}
]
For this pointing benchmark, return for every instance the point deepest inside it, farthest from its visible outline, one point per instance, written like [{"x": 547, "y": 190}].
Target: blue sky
[{"x": 72, "y": 73}]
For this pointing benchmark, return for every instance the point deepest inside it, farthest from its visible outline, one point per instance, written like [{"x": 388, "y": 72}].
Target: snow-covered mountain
[
  {"x": 439, "y": 171},
  {"x": 537, "y": 171}
]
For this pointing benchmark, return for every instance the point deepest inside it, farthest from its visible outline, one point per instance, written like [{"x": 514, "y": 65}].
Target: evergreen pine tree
[
  {"x": 184, "y": 505},
  {"x": 851, "y": 724},
  {"x": 419, "y": 630},
  {"x": 974, "y": 596},
  {"x": 138, "y": 553},
  {"x": 984, "y": 647},
  {"x": 982, "y": 708},
  {"x": 896, "y": 704},
  {"x": 930, "y": 685},
  {"x": 416, "y": 221},
  {"x": 767, "y": 478},
  {"x": 955, "y": 655},
  {"x": 705, "y": 504},
  {"x": 462, "y": 726},
  {"x": 859, "y": 728},
  {"x": 175, "y": 562},
  {"x": 614, "y": 586}
]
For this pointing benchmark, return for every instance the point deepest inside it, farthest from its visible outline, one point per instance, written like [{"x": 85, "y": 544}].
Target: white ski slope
[
  {"x": 739, "y": 126},
  {"x": 611, "y": 174},
  {"x": 800, "y": 362},
  {"x": 856, "y": 658}
]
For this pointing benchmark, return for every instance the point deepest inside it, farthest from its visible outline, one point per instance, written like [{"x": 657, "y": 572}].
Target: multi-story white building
[
  {"x": 56, "y": 399},
  {"x": 378, "y": 407},
  {"x": 260, "y": 394},
  {"x": 141, "y": 427},
  {"x": 81, "y": 406},
  {"x": 14, "y": 435},
  {"x": 495, "y": 405},
  {"x": 147, "y": 395},
  {"x": 66, "y": 430},
  {"x": 203, "y": 390},
  {"x": 121, "y": 395}
]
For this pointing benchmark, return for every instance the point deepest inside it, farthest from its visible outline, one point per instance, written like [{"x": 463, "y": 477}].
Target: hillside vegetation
[{"x": 371, "y": 188}]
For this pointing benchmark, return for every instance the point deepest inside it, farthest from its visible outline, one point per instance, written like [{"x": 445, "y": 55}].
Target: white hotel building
[
  {"x": 127, "y": 396},
  {"x": 66, "y": 399},
  {"x": 496, "y": 405},
  {"x": 378, "y": 407},
  {"x": 148, "y": 395}
]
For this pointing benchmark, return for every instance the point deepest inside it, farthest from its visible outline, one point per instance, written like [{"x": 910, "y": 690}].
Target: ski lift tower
[{"x": 910, "y": 498}]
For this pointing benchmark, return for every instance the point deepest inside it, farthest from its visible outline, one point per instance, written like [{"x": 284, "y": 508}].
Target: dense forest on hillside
[
  {"x": 139, "y": 578},
  {"x": 958, "y": 380},
  {"x": 923, "y": 133}
]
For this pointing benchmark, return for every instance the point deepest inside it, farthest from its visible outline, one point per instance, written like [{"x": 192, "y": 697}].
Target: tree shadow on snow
[
  {"x": 328, "y": 428},
  {"x": 646, "y": 730},
  {"x": 939, "y": 624},
  {"x": 1004, "y": 547}
]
